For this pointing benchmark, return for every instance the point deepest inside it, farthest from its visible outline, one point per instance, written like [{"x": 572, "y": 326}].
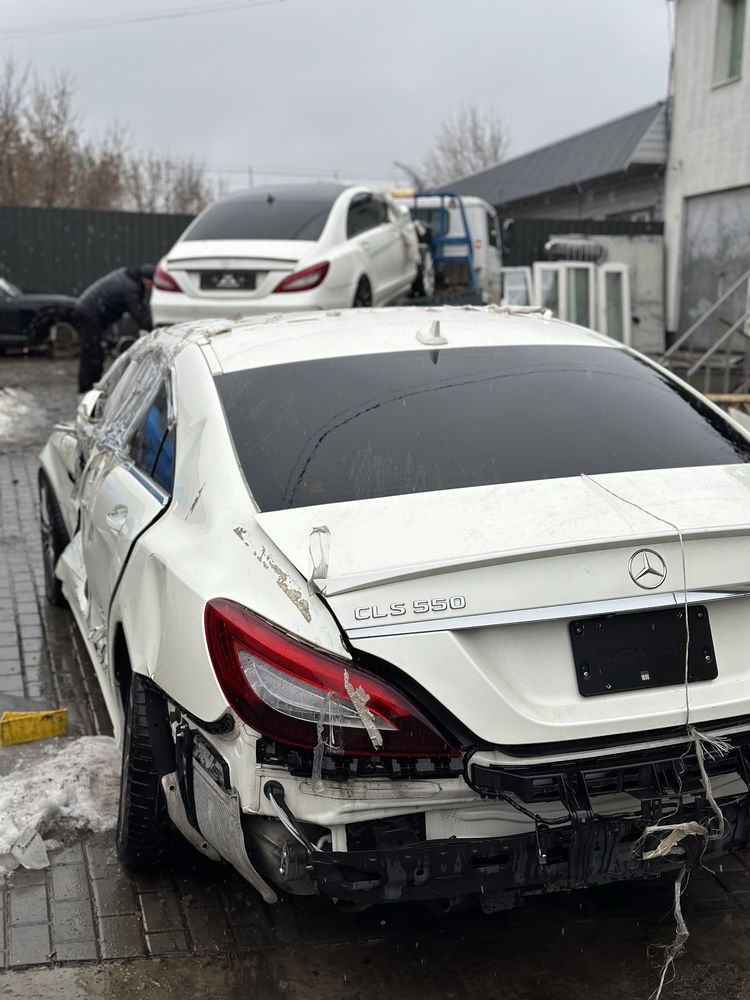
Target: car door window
[
  {"x": 365, "y": 212},
  {"x": 152, "y": 444}
]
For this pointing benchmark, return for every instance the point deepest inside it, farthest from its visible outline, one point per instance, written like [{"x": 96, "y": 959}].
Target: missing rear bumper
[{"x": 500, "y": 871}]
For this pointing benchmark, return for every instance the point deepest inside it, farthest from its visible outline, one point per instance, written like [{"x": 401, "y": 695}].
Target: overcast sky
[{"x": 345, "y": 85}]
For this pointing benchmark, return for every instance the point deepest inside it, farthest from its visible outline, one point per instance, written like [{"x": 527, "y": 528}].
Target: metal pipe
[
  {"x": 718, "y": 343},
  {"x": 699, "y": 322}
]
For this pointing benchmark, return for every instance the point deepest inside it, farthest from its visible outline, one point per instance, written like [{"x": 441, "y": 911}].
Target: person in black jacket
[{"x": 125, "y": 290}]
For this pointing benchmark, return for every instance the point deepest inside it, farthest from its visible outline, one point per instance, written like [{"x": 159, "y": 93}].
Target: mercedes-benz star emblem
[{"x": 647, "y": 569}]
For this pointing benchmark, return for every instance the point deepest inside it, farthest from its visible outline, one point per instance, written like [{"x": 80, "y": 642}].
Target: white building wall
[{"x": 710, "y": 130}]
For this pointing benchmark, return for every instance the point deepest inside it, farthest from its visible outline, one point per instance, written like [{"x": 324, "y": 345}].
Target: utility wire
[{"x": 95, "y": 23}]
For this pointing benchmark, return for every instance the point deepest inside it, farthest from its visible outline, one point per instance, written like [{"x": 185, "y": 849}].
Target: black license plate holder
[
  {"x": 641, "y": 649},
  {"x": 228, "y": 281}
]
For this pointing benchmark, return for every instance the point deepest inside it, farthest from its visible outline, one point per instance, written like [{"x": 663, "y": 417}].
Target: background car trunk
[{"x": 266, "y": 261}]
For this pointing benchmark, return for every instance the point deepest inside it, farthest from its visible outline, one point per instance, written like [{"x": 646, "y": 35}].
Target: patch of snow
[
  {"x": 73, "y": 786},
  {"x": 21, "y": 414}
]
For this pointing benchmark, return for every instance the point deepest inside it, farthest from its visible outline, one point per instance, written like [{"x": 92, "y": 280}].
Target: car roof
[
  {"x": 269, "y": 340},
  {"x": 286, "y": 192}
]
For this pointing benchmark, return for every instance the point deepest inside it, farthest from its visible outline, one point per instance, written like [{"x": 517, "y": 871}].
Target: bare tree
[
  {"x": 46, "y": 159},
  {"x": 153, "y": 184},
  {"x": 15, "y": 154},
  {"x": 471, "y": 141},
  {"x": 53, "y": 136}
]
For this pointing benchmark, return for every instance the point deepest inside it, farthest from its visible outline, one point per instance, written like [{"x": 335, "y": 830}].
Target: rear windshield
[
  {"x": 352, "y": 428},
  {"x": 267, "y": 218}
]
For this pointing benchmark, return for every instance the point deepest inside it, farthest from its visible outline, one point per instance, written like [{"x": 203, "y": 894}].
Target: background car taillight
[
  {"x": 303, "y": 281},
  {"x": 164, "y": 280},
  {"x": 285, "y": 689}
]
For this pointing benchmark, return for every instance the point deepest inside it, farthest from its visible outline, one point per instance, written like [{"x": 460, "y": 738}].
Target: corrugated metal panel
[
  {"x": 63, "y": 250},
  {"x": 524, "y": 239},
  {"x": 654, "y": 146},
  {"x": 598, "y": 152}
]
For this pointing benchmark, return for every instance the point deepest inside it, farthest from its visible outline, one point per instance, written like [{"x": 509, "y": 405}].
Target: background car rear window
[
  {"x": 378, "y": 425},
  {"x": 266, "y": 218}
]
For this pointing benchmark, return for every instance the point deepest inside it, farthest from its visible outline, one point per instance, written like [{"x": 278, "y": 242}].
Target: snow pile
[
  {"x": 70, "y": 787},
  {"x": 21, "y": 414}
]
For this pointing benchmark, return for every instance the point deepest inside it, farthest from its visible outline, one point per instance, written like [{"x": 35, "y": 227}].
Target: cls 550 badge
[{"x": 400, "y": 608}]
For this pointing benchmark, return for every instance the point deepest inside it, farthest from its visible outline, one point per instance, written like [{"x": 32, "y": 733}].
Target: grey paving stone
[
  {"x": 72, "y": 920},
  {"x": 121, "y": 937},
  {"x": 150, "y": 881},
  {"x": 102, "y": 858},
  {"x": 113, "y": 896},
  {"x": 69, "y": 855},
  {"x": 70, "y": 882},
  {"x": 11, "y": 684},
  {"x": 30, "y": 945},
  {"x": 252, "y": 937},
  {"x": 27, "y": 876},
  {"x": 728, "y": 863},
  {"x": 161, "y": 911},
  {"x": 28, "y": 905},
  {"x": 209, "y": 929},
  {"x": 167, "y": 942},
  {"x": 75, "y": 951}
]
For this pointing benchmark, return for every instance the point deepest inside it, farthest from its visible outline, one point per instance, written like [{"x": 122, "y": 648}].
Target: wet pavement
[{"x": 85, "y": 928}]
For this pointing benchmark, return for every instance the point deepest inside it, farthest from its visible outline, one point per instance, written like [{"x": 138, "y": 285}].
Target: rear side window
[
  {"x": 264, "y": 218},
  {"x": 365, "y": 212},
  {"x": 409, "y": 422},
  {"x": 152, "y": 446}
]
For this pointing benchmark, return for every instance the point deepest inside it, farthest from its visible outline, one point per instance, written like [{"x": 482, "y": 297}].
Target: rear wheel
[
  {"x": 143, "y": 821},
  {"x": 64, "y": 340},
  {"x": 54, "y": 539},
  {"x": 363, "y": 294}
]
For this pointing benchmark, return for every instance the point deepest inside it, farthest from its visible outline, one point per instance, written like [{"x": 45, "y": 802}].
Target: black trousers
[{"x": 91, "y": 362}]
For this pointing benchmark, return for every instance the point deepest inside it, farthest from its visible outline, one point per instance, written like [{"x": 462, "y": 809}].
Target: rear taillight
[
  {"x": 295, "y": 694},
  {"x": 164, "y": 280},
  {"x": 303, "y": 281}
]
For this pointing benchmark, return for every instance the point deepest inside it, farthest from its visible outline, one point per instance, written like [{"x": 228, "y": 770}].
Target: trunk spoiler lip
[
  {"x": 396, "y": 574},
  {"x": 556, "y": 612}
]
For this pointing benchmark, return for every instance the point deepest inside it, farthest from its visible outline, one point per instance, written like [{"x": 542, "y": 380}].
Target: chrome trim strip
[
  {"x": 153, "y": 488},
  {"x": 362, "y": 581},
  {"x": 556, "y": 612}
]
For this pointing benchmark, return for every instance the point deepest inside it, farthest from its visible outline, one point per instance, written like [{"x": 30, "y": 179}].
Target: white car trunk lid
[
  {"x": 221, "y": 268},
  {"x": 470, "y": 591}
]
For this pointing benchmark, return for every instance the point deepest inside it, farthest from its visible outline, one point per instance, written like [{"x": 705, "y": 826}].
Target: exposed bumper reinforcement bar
[{"x": 502, "y": 870}]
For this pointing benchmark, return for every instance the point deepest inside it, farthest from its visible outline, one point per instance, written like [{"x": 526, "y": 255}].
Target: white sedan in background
[
  {"x": 290, "y": 248},
  {"x": 391, "y": 605}
]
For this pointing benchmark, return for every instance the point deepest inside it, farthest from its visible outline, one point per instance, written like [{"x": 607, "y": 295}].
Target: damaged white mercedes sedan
[{"x": 411, "y": 604}]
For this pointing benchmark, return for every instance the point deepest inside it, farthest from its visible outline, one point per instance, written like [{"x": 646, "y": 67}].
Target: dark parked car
[{"x": 36, "y": 322}]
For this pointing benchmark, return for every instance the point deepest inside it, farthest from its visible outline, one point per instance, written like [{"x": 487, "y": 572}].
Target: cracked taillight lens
[{"x": 298, "y": 695}]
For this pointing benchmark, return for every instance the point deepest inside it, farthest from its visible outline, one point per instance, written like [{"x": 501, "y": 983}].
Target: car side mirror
[{"x": 87, "y": 405}]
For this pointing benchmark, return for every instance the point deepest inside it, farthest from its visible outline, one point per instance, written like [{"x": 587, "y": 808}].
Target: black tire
[
  {"x": 143, "y": 825},
  {"x": 54, "y": 539},
  {"x": 363, "y": 295},
  {"x": 65, "y": 343}
]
